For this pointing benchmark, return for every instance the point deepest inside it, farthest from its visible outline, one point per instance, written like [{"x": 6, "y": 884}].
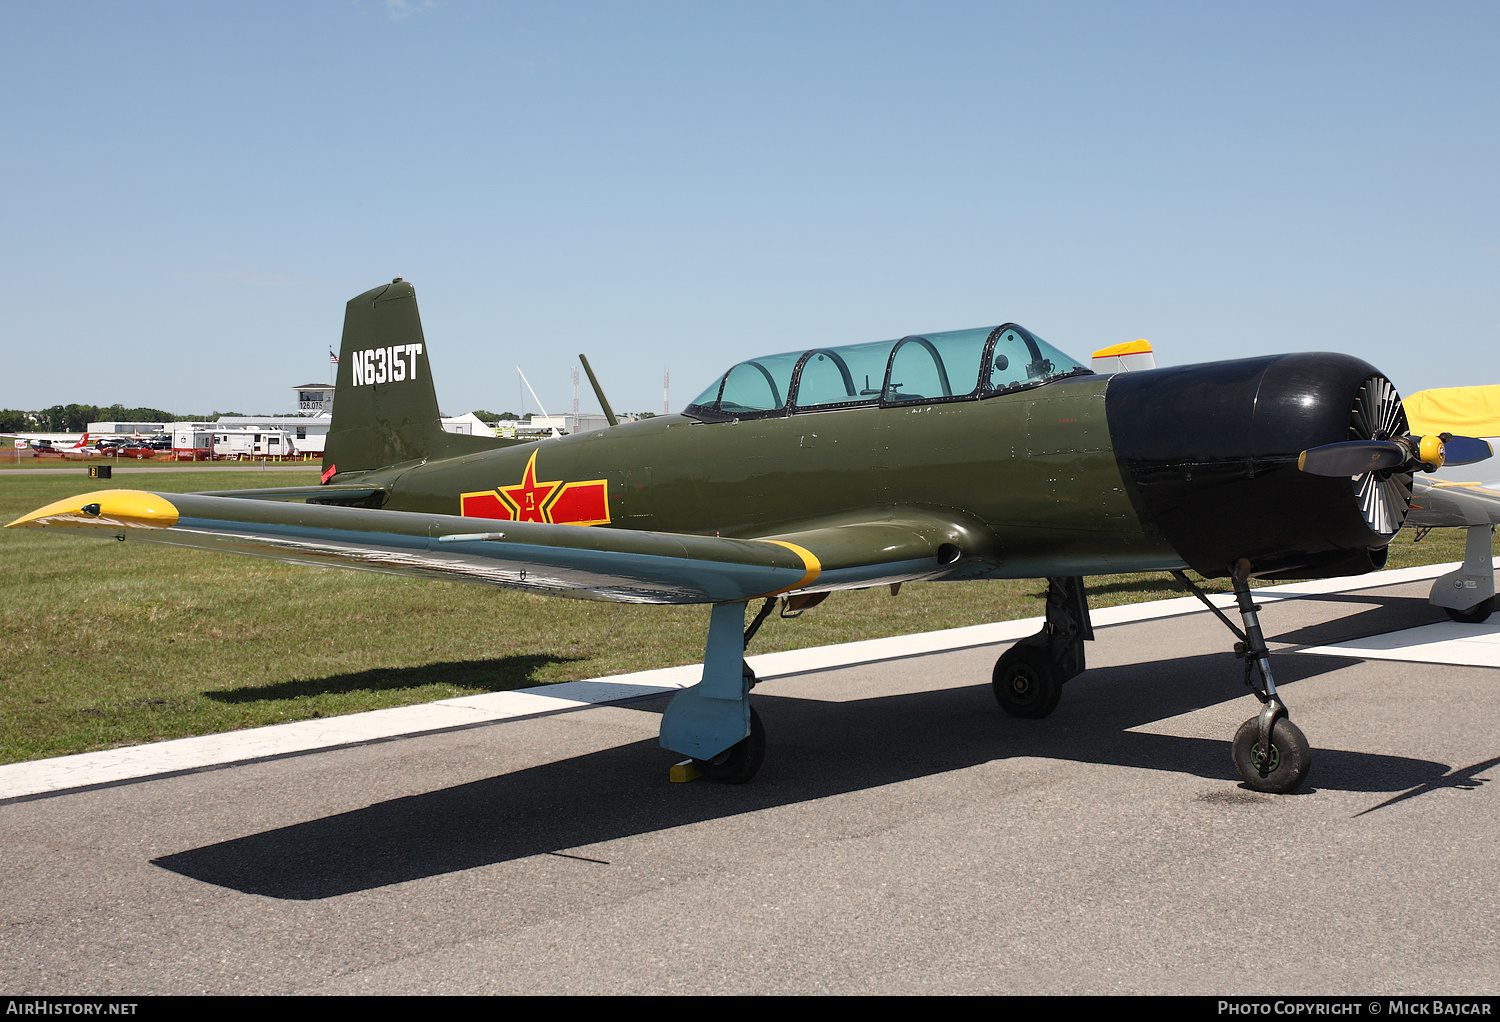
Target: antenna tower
[
  {"x": 666, "y": 389},
  {"x": 575, "y": 393}
]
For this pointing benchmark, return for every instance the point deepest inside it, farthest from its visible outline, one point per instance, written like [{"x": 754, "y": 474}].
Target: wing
[
  {"x": 618, "y": 565},
  {"x": 1450, "y": 504}
]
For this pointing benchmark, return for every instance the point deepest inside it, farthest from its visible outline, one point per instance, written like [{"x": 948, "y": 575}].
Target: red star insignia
[{"x": 529, "y": 499}]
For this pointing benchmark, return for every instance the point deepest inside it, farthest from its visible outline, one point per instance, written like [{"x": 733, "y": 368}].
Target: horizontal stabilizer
[{"x": 333, "y": 493}]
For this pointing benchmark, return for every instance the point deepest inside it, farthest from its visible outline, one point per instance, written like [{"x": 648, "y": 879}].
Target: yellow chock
[{"x": 682, "y": 772}]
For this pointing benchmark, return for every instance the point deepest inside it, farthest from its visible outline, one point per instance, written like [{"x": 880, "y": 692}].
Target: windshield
[{"x": 1021, "y": 359}]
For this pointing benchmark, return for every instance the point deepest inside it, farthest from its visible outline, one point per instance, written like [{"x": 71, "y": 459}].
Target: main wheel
[
  {"x": 1290, "y": 756},
  {"x": 738, "y": 763},
  {"x": 1026, "y": 683},
  {"x": 1476, "y": 614}
]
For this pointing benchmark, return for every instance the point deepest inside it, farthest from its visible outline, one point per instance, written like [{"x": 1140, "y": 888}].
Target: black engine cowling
[{"x": 1209, "y": 453}]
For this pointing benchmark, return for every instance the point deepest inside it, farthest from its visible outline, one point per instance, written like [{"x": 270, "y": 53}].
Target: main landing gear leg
[
  {"x": 1270, "y": 752},
  {"x": 1029, "y": 676},
  {"x": 713, "y": 721},
  {"x": 1468, "y": 594}
]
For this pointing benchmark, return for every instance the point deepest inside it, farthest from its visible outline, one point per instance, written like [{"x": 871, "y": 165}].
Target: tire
[
  {"x": 1477, "y": 614},
  {"x": 741, "y": 761},
  {"x": 1291, "y": 756},
  {"x": 1026, "y": 683}
]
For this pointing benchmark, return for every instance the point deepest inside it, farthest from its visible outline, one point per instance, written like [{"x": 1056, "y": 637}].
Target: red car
[{"x": 135, "y": 450}]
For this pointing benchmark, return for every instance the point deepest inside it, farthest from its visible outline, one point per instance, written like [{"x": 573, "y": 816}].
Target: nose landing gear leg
[{"x": 1270, "y": 752}]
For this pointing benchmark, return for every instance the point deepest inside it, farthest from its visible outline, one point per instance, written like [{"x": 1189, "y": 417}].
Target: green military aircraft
[{"x": 971, "y": 454}]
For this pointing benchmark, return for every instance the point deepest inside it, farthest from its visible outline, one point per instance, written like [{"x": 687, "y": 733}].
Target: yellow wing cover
[{"x": 1463, "y": 411}]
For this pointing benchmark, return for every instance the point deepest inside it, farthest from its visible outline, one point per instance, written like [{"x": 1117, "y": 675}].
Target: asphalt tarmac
[{"x": 903, "y": 837}]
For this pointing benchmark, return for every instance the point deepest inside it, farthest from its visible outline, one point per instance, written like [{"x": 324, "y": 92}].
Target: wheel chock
[{"x": 683, "y": 772}]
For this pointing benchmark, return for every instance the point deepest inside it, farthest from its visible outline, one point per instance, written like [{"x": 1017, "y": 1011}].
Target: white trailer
[
  {"x": 253, "y": 444},
  {"x": 191, "y": 442}
]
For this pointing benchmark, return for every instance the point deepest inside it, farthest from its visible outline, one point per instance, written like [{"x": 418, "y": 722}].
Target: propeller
[
  {"x": 1358, "y": 457},
  {"x": 1465, "y": 450}
]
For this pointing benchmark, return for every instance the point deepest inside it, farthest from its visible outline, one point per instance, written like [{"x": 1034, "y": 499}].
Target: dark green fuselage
[{"x": 1032, "y": 473}]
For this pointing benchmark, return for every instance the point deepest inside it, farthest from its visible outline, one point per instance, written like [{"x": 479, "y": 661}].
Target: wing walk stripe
[{"x": 813, "y": 567}]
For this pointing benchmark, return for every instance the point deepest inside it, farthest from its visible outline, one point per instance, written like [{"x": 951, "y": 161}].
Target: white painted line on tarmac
[
  {"x": 114, "y": 766},
  {"x": 1446, "y": 642}
]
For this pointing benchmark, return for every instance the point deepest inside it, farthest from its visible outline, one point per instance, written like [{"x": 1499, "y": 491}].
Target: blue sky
[{"x": 193, "y": 191}]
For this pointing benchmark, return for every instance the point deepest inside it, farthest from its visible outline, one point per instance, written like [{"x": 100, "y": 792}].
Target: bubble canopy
[{"x": 957, "y": 365}]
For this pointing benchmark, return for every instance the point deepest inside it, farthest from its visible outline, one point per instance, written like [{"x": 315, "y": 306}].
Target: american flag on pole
[{"x": 333, "y": 359}]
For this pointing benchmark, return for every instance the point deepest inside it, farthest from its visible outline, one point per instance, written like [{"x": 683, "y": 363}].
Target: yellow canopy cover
[{"x": 1466, "y": 411}]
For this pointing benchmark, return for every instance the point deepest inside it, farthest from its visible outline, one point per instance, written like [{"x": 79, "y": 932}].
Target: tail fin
[{"x": 385, "y": 409}]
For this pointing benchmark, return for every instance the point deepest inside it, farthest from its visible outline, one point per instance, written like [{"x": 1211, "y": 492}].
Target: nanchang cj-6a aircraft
[{"x": 972, "y": 454}]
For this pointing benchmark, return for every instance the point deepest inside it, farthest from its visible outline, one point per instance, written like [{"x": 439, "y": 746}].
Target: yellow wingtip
[{"x": 113, "y": 509}]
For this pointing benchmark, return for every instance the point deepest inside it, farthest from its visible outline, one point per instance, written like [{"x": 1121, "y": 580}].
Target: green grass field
[{"x": 109, "y": 644}]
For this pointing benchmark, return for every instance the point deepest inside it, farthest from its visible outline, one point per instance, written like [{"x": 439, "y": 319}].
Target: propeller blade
[
  {"x": 1353, "y": 457},
  {"x": 1464, "y": 450}
]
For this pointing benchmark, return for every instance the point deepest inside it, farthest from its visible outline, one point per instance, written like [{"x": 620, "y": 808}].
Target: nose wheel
[{"x": 1283, "y": 768}]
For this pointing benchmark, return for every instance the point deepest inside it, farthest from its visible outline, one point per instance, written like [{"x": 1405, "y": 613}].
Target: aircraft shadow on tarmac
[
  {"x": 1380, "y": 615},
  {"x": 497, "y": 674},
  {"x": 817, "y": 749}
]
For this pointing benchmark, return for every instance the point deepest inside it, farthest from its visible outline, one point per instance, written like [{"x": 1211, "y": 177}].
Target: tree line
[{"x": 76, "y": 418}]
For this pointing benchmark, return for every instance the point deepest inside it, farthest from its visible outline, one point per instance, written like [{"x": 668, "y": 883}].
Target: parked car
[{"x": 136, "y": 449}]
